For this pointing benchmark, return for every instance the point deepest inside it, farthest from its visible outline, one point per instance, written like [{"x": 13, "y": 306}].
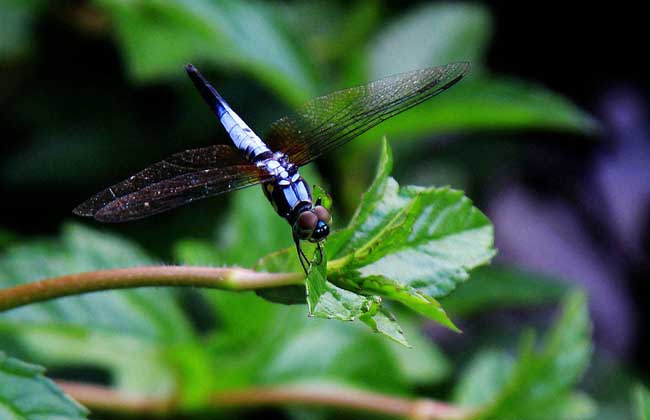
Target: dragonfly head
[{"x": 313, "y": 224}]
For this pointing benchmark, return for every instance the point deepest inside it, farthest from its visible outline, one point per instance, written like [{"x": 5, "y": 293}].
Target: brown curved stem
[
  {"x": 323, "y": 395},
  {"x": 231, "y": 278}
]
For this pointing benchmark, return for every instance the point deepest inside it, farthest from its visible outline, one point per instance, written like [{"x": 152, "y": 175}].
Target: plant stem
[
  {"x": 231, "y": 278},
  {"x": 322, "y": 395}
]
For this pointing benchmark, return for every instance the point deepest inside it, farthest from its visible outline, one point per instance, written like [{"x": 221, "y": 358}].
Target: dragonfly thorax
[
  {"x": 286, "y": 189},
  {"x": 291, "y": 198}
]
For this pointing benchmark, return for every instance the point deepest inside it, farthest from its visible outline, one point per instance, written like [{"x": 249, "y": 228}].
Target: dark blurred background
[{"x": 86, "y": 100}]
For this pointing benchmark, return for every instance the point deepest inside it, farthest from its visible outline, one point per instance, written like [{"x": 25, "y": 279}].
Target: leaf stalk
[{"x": 225, "y": 278}]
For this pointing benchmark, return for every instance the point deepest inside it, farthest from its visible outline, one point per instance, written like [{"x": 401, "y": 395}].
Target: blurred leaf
[
  {"x": 26, "y": 394},
  {"x": 263, "y": 343},
  {"x": 123, "y": 331},
  {"x": 539, "y": 385},
  {"x": 574, "y": 406},
  {"x": 483, "y": 378},
  {"x": 330, "y": 30},
  {"x": 641, "y": 398},
  {"x": 498, "y": 286},
  {"x": 157, "y": 37},
  {"x": 430, "y": 35},
  {"x": 16, "y": 20},
  {"x": 335, "y": 352},
  {"x": 196, "y": 252},
  {"x": 423, "y": 362}
]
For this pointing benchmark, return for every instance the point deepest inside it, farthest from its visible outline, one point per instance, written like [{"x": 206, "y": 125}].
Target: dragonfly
[{"x": 320, "y": 126}]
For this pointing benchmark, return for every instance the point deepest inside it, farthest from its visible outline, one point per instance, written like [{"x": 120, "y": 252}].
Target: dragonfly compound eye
[
  {"x": 306, "y": 224},
  {"x": 323, "y": 214}
]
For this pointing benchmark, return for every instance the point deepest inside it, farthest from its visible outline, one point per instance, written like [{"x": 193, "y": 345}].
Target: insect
[{"x": 320, "y": 126}]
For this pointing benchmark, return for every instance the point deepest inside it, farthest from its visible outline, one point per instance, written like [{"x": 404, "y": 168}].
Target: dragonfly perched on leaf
[{"x": 320, "y": 126}]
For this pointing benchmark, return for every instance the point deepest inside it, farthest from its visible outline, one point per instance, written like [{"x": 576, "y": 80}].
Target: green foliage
[
  {"x": 411, "y": 238},
  {"x": 538, "y": 385},
  {"x": 26, "y": 394},
  {"x": 410, "y": 244},
  {"x": 145, "y": 343},
  {"x": 435, "y": 33},
  {"x": 156, "y": 36},
  {"x": 406, "y": 244},
  {"x": 641, "y": 398},
  {"x": 94, "y": 328}
]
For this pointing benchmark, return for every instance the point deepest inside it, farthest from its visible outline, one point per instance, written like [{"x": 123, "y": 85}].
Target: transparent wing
[
  {"x": 177, "y": 180},
  {"x": 330, "y": 121}
]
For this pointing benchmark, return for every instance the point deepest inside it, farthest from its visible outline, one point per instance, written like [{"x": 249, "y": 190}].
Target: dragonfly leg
[
  {"x": 304, "y": 261},
  {"x": 320, "y": 253}
]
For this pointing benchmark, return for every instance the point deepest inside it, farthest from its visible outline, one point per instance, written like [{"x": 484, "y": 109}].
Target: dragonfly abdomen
[{"x": 242, "y": 136}]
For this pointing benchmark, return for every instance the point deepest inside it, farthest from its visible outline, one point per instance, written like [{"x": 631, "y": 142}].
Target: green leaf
[
  {"x": 319, "y": 193},
  {"x": 95, "y": 328},
  {"x": 157, "y": 35},
  {"x": 641, "y": 398},
  {"x": 436, "y": 34},
  {"x": 383, "y": 322},
  {"x": 410, "y": 244},
  {"x": 325, "y": 300},
  {"x": 497, "y": 287},
  {"x": 540, "y": 384},
  {"x": 26, "y": 394}
]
